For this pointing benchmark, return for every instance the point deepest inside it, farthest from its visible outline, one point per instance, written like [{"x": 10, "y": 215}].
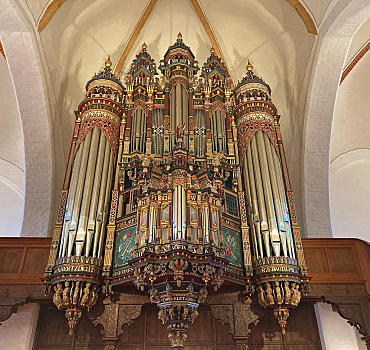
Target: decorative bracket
[
  {"x": 123, "y": 311},
  {"x": 354, "y": 309},
  {"x": 238, "y": 315},
  {"x": 9, "y": 305}
]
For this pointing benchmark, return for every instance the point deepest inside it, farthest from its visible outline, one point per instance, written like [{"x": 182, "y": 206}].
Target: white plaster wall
[
  {"x": 39, "y": 127},
  {"x": 350, "y": 150},
  {"x": 11, "y": 158},
  {"x": 343, "y": 20},
  {"x": 18, "y": 332},
  {"x": 335, "y": 332},
  {"x": 350, "y": 194}
]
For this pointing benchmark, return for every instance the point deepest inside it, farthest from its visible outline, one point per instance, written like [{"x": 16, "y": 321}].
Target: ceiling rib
[
  {"x": 139, "y": 26},
  {"x": 49, "y": 13},
  {"x": 2, "y": 50},
  {"x": 305, "y": 16},
  {"x": 355, "y": 60},
  {"x": 207, "y": 27}
]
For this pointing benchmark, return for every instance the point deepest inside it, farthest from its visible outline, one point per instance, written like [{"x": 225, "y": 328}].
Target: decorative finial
[
  {"x": 212, "y": 50},
  {"x": 144, "y": 47},
  {"x": 179, "y": 37},
  {"x": 249, "y": 66},
  {"x": 108, "y": 62}
]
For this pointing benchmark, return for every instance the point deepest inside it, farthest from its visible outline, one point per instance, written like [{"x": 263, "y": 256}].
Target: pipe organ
[{"x": 176, "y": 183}]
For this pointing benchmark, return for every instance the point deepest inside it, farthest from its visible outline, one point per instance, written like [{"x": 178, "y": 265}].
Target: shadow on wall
[
  {"x": 350, "y": 194},
  {"x": 11, "y": 199}
]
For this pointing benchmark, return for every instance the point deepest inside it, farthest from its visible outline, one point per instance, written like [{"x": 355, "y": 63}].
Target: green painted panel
[
  {"x": 232, "y": 245},
  {"x": 125, "y": 244}
]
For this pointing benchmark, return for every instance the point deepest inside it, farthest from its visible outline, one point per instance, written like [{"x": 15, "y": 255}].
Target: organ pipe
[
  {"x": 87, "y": 189},
  {"x": 71, "y": 199},
  {"x": 101, "y": 198},
  {"x": 95, "y": 194},
  {"x": 182, "y": 222},
  {"x": 106, "y": 204},
  {"x": 274, "y": 234},
  {"x": 79, "y": 193},
  {"x": 275, "y": 191},
  {"x": 260, "y": 195}
]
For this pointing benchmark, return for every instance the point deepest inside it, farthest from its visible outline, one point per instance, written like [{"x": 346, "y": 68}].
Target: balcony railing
[{"x": 329, "y": 260}]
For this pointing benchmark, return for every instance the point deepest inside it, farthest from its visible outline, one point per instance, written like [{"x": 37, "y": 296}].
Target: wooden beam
[
  {"x": 2, "y": 50},
  {"x": 305, "y": 16},
  {"x": 49, "y": 13},
  {"x": 355, "y": 60},
  {"x": 211, "y": 36},
  {"x": 139, "y": 26}
]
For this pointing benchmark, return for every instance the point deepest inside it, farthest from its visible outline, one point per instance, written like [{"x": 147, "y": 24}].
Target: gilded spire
[
  {"x": 108, "y": 62},
  {"x": 249, "y": 66},
  {"x": 179, "y": 37},
  {"x": 144, "y": 47}
]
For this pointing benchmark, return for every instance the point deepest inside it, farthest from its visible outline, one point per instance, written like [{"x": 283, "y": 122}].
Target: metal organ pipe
[
  {"x": 173, "y": 115},
  {"x": 274, "y": 233},
  {"x": 254, "y": 201},
  {"x": 143, "y": 120},
  {"x": 183, "y": 212},
  {"x": 71, "y": 199},
  {"x": 82, "y": 223},
  {"x": 174, "y": 213},
  {"x": 275, "y": 193},
  {"x": 106, "y": 201},
  {"x": 283, "y": 201},
  {"x": 249, "y": 208},
  {"x": 260, "y": 196},
  {"x": 269, "y": 216},
  {"x": 178, "y": 105},
  {"x": 79, "y": 192},
  {"x": 95, "y": 193},
  {"x": 103, "y": 185}
]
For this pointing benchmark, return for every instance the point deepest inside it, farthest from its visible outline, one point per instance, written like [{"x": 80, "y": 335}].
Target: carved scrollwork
[
  {"x": 127, "y": 315},
  {"x": 108, "y": 320},
  {"x": 355, "y": 310},
  {"x": 9, "y": 306},
  {"x": 224, "y": 313},
  {"x": 243, "y": 316}
]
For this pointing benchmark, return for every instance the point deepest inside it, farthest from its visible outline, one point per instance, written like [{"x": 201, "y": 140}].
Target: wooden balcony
[
  {"x": 23, "y": 260},
  {"x": 329, "y": 260}
]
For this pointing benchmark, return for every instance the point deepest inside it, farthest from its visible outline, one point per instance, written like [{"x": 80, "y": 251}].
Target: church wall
[
  {"x": 17, "y": 333},
  {"x": 335, "y": 332},
  {"x": 207, "y": 332}
]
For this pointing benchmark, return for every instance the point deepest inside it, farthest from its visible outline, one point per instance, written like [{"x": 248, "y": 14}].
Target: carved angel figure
[
  {"x": 86, "y": 294},
  {"x": 57, "y": 298},
  {"x": 66, "y": 291},
  {"x": 269, "y": 296}
]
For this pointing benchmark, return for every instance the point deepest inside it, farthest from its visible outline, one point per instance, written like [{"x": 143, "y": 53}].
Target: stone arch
[
  {"x": 20, "y": 45},
  {"x": 342, "y": 22}
]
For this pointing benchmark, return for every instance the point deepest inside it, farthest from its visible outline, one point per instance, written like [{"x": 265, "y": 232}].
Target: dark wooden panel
[
  {"x": 201, "y": 331},
  {"x": 10, "y": 260},
  {"x": 134, "y": 334},
  {"x": 342, "y": 260},
  {"x": 156, "y": 332},
  {"x": 87, "y": 335},
  {"x": 302, "y": 325},
  {"x": 223, "y": 335},
  {"x": 148, "y": 333},
  {"x": 301, "y": 331},
  {"x": 52, "y": 329},
  {"x": 35, "y": 260},
  {"x": 316, "y": 260}
]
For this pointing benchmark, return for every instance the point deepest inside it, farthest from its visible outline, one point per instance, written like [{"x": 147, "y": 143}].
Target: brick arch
[
  {"x": 20, "y": 46},
  {"x": 334, "y": 40}
]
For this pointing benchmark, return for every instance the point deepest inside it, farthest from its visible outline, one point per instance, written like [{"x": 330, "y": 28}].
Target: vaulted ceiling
[{"x": 284, "y": 39}]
